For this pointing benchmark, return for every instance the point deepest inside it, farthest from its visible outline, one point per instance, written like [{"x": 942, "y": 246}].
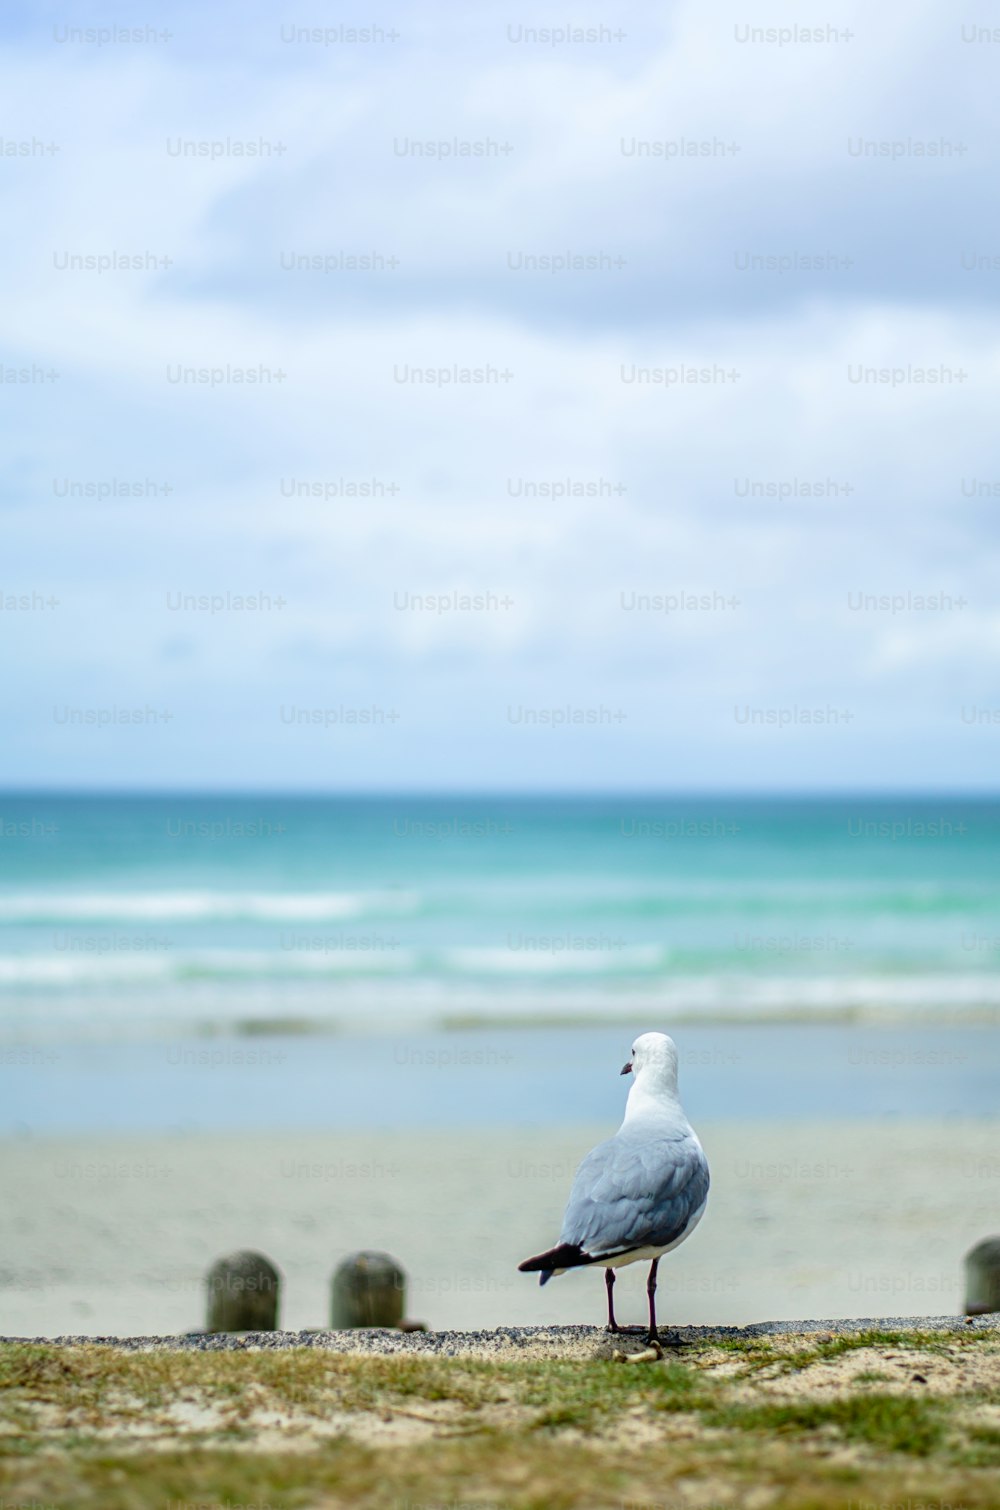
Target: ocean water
[
  {"x": 145, "y": 918},
  {"x": 494, "y": 1077}
]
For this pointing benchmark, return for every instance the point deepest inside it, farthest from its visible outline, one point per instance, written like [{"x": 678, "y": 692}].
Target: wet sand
[{"x": 112, "y": 1237}]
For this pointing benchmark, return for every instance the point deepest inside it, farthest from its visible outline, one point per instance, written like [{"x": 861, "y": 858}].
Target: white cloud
[{"x": 686, "y": 456}]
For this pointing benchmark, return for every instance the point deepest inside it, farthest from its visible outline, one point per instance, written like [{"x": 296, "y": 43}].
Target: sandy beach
[{"x": 113, "y": 1236}]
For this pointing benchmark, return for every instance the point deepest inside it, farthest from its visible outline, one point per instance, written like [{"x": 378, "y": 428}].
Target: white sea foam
[
  {"x": 556, "y": 954},
  {"x": 81, "y": 970},
  {"x": 195, "y": 906},
  {"x": 141, "y": 996},
  {"x": 208, "y": 965}
]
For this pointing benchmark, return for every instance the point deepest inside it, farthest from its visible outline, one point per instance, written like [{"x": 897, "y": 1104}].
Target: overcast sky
[{"x": 463, "y": 626}]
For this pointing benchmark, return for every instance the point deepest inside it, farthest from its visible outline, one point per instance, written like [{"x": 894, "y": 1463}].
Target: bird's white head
[{"x": 653, "y": 1063}]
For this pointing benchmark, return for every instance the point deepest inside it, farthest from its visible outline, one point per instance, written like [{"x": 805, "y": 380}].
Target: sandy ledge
[{"x": 551, "y": 1342}]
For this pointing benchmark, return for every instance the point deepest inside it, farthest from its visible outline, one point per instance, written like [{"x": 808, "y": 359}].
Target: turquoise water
[{"x": 136, "y": 917}]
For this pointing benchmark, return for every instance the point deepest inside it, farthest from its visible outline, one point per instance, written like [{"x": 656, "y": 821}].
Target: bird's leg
[
  {"x": 654, "y": 1336},
  {"x": 609, "y": 1280}
]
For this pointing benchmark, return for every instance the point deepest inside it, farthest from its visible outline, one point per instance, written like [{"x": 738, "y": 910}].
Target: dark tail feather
[{"x": 562, "y": 1256}]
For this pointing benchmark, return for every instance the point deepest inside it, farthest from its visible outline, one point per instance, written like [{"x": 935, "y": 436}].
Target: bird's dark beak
[{"x": 627, "y": 1068}]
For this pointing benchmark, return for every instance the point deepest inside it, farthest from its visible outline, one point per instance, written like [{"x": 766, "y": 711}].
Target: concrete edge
[{"x": 508, "y": 1339}]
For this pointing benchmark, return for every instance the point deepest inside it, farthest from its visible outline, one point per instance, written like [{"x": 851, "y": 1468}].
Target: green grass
[
  {"x": 892, "y": 1423},
  {"x": 305, "y": 1427},
  {"x": 981, "y": 1449},
  {"x": 936, "y": 1343}
]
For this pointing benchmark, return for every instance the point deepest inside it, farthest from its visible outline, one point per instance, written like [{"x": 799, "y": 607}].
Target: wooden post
[
  {"x": 368, "y": 1289},
  {"x": 243, "y": 1293},
  {"x": 982, "y": 1278}
]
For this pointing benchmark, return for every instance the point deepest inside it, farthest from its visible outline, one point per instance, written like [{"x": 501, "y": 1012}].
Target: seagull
[{"x": 641, "y": 1193}]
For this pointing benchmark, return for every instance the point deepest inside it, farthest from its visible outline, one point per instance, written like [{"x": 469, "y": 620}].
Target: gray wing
[{"x": 635, "y": 1194}]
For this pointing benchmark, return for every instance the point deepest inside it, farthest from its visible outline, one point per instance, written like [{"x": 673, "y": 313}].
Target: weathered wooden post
[
  {"x": 368, "y": 1289},
  {"x": 243, "y": 1293},
  {"x": 982, "y": 1278}
]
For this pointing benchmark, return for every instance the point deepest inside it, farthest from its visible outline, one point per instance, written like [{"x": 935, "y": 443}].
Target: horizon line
[{"x": 507, "y": 793}]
